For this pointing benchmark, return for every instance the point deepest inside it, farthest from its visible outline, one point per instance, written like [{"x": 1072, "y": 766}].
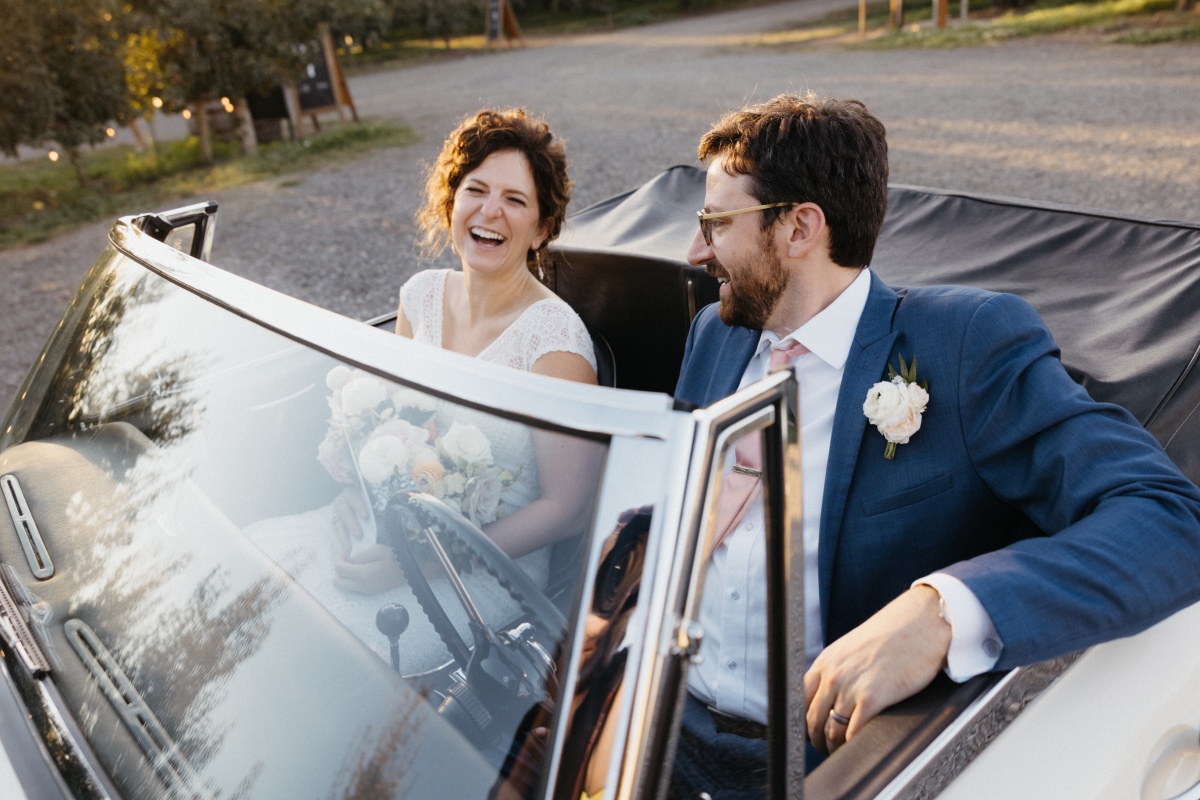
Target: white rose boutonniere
[{"x": 895, "y": 406}]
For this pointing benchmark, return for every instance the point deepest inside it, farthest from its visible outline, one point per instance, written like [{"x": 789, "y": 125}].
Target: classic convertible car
[{"x": 172, "y": 624}]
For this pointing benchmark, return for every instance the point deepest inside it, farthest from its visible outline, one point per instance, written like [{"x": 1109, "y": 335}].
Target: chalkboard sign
[
  {"x": 493, "y": 26},
  {"x": 316, "y": 88}
]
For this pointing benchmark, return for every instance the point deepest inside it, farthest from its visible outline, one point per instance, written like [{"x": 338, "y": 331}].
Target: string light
[{"x": 53, "y": 155}]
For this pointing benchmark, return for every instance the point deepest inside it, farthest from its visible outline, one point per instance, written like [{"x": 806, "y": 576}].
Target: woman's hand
[
  {"x": 371, "y": 570},
  {"x": 349, "y": 513}
]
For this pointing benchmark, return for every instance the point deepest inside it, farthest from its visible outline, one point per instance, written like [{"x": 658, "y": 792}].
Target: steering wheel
[{"x": 506, "y": 671}]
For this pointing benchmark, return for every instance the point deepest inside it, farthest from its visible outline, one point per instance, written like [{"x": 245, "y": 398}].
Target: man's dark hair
[{"x": 829, "y": 152}]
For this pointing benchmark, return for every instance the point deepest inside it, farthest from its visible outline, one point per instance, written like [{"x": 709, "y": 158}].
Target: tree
[
  {"x": 441, "y": 19},
  {"x": 211, "y": 49},
  {"x": 63, "y": 78}
]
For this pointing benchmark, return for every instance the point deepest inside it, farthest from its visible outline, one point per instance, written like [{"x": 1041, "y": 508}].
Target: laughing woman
[{"x": 497, "y": 195}]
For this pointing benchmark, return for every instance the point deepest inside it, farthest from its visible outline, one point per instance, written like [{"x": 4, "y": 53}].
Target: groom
[{"x": 1017, "y": 519}]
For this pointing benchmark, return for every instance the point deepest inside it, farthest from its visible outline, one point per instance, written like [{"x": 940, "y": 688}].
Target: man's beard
[{"x": 755, "y": 292}]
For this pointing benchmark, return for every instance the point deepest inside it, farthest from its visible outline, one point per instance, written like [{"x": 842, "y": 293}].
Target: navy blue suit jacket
[{"x": 1064, "y": 517}]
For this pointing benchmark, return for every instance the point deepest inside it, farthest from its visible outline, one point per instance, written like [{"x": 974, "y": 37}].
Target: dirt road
[{"x": 1065, "y": 119}]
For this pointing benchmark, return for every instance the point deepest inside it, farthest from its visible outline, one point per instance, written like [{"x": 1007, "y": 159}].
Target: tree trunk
[
  {"x": 139, "y": 144},
  {"x": 1185, "y": 5},
  {"x": 205, "y": 130},
  {"x": 77, "y": 165},
  {"x": 245, "y": 128}
]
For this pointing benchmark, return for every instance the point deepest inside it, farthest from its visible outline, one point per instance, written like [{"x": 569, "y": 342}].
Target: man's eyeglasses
[{"x": 706, "y": 218}]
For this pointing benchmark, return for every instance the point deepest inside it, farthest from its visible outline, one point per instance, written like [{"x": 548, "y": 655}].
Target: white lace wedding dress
[{"x": 305, "y": 544}]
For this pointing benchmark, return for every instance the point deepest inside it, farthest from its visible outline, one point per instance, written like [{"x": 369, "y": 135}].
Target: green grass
[
  {"x": 1123, "y": 21},
  {"x": 1048, "y": 16},
  {"x": 39, "y": 199},
  {"x": 1160, "y": 35}
]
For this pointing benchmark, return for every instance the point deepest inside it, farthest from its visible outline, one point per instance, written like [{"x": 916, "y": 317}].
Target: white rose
[
  {"x": 338, "y": 377},
  {"x": 425, "y": 453},
  {"x": 482, "y": 501},
  {"x": 410, "y": 398},
  {"x": 381, "y": 457},
  {"x": 362, "y": 394},
  {"x": 918, "y": 398},
  {"x": 886, "y": 404},
  {"x": 466, "y": 444},
  {"x": 900, "y": 430}
]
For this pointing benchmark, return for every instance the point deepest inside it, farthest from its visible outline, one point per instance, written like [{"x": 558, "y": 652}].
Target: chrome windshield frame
[
  {"x": 670, "y": 606},
  {"x": 561, "y": 405}
]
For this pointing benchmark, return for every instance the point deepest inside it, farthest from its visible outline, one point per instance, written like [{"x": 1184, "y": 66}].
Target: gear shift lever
[{"x": 392, "y": 620}]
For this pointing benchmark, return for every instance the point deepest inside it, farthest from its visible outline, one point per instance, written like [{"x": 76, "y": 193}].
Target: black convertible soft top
[{"x": 1121, "y": 295}]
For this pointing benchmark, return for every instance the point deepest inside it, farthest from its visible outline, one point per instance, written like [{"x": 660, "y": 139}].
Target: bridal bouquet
[{"x": 390, "y": 434}]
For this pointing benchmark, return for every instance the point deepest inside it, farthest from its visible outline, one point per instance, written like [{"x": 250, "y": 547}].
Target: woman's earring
[{"x": 541, "y": 271}]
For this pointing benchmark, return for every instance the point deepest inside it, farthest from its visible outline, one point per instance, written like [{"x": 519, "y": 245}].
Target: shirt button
[
  {"x": 732, "y": 665},
  {"x": 734, "y": 595},
  {"x": 749, "y": 526},
  {"x": 991, "y": 648}
]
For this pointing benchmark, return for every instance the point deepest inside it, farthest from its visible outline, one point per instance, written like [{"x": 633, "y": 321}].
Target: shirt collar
[{"x": 830, "y": 333}]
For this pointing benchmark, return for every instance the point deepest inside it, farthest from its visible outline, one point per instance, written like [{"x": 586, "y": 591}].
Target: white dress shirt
[{"x": 732, "y": 675}]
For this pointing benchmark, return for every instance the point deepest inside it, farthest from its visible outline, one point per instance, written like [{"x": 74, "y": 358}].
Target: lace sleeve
[
  {"x": 421, "y": 299},
  {"x": 555, "y": 327}
]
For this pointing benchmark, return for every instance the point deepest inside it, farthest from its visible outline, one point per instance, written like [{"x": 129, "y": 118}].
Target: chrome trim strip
[
  {"x": 172, "y": 767},
  {"x": 950, "y": 753},
  {"x": 27, "y": 530},
  {"x": 675, "y": 581},
  {"x": 525, "y": 397},
  {"x": 786, "y": 679}
]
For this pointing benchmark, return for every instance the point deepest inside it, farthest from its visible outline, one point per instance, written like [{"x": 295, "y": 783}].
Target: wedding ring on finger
[{"x": 838, "y": 718}]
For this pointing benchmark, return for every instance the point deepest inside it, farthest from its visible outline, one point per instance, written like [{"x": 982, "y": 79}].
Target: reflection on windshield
[{"x": 313, "y": 581}]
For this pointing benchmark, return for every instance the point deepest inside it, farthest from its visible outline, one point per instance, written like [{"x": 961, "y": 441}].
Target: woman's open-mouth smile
[{"x": 486, "y": 238}]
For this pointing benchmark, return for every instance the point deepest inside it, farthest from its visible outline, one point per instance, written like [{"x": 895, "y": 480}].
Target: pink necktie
[{"x": 743, "y": 485}]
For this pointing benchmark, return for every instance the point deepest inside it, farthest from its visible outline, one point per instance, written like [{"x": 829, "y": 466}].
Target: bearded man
[{"x": 994, "y": 517}]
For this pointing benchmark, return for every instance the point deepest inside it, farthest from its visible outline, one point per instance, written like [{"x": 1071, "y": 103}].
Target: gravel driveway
[{"x": 1064, "y": 119}]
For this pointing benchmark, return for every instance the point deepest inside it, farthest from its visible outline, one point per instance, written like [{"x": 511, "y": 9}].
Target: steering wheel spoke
[{"x": 506, "y": 670}]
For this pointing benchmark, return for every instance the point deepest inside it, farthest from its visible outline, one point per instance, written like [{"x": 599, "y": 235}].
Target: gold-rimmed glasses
[{"x": 706, "y": 217}]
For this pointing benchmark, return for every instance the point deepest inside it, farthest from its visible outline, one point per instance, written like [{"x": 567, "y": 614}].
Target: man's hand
[{"x": 891, "y": 656}]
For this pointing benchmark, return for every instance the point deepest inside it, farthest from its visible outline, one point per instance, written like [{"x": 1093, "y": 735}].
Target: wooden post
[
  {"x": 331, "y": 64},
  {"x": 862, "y": 19},
  {"x": 896, "y": 14},
  {"x": 939, "y": 12},
  {"x": 962, "y": 11},
  {"x": 291, "y": 95}
]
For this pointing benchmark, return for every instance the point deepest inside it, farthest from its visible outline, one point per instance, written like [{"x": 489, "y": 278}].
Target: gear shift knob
[{"x": 392, "y": 620}]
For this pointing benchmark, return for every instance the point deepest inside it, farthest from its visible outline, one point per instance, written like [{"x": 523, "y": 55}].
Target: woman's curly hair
[{"x": 491, "y": 131}]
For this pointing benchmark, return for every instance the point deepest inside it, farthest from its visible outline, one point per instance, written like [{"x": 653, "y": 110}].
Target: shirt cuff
[{"x": 975, "y": 646}]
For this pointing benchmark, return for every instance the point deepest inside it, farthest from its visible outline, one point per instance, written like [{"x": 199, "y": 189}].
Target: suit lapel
[
  {"x": 736, "y": 350},
  {"x": 865, "y": 366}
]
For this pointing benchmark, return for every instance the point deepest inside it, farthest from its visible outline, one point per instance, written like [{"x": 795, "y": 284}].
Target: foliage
[
  {"x": 441, "y": 19},
  {"x": 63, "y": 77}
]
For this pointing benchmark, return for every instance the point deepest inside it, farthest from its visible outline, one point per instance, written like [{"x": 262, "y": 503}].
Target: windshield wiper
[{"x": 17, "y": 634}]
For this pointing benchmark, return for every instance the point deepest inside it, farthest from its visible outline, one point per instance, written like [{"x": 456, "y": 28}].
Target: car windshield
[{"x": 259, "y": 569}]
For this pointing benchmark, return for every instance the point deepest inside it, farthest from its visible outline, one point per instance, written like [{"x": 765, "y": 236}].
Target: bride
[{"x": 497, "y": 194}]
